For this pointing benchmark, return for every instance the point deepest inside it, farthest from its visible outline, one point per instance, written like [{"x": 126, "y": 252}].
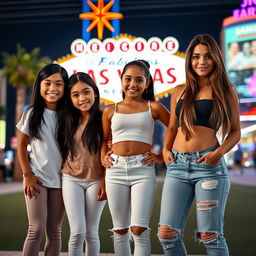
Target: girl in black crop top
[
  {"x": 205, "y": 104},
  {"x": 203, "y": 109}
]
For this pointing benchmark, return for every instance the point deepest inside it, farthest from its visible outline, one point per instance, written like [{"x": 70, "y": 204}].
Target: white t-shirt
[{"x": 46, "y": 160}]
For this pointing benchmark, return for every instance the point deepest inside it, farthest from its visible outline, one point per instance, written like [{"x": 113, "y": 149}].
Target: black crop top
[{"x": 203, "y": 109}]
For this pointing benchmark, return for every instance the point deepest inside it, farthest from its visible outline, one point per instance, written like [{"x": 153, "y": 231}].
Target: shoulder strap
[
  {"x": 149, "y": 106},
  {"x": 181, "y": 95}
]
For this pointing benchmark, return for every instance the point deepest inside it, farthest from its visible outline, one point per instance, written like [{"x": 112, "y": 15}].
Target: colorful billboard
[
  {"x": 240, "y": 55},
  {"x": 239, "y": 43}
]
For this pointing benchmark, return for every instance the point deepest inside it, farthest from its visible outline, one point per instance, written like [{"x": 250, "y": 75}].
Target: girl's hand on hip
[
  {"x": 168, "y": 156},
  {"x": 107, "y": 161},
  {"x": 151, "y": 158},
  {"x": 210, "y": 158}
]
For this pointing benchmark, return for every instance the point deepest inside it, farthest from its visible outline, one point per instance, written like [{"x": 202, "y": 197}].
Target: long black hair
[
  {"x": 148, "y": 94},
  {"x": 38, "y": 103},
  {"x": 92, "y": 134}
]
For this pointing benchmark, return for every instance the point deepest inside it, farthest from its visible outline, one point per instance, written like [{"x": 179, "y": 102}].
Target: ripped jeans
[
  {"x": 209, "y": 185},
  {"x": 130, "y": 187}
]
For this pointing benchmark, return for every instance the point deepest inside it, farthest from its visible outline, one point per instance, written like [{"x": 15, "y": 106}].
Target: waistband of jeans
[
  {"x": 127, "y": 158},
  {"x": 196, "y": 154}
]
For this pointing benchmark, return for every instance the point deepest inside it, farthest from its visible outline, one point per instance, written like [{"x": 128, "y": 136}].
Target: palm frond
[{"x": 21, "y": 68}]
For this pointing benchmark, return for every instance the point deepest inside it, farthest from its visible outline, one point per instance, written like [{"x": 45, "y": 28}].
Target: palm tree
[{"x": 21, "y": 70}]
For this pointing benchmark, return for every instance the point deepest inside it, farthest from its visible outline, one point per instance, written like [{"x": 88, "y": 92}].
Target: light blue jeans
[
  {"x": 131, "y": 188},
  {"x": 209, "y": 185},
  {"x": 83, "y": 212}
]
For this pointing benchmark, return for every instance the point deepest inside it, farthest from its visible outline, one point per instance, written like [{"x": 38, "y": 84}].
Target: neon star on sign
[{"x": 100, "y": 17}]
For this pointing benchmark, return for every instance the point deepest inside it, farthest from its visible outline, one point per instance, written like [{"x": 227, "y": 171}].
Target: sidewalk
[
  {"x": 15, "y": 253},
  {"x": 12, "y": 253},
  {"x": 247, "y": 179}
]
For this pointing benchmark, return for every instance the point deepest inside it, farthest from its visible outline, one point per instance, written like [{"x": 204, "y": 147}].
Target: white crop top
[{"x": 133, "y": 127}]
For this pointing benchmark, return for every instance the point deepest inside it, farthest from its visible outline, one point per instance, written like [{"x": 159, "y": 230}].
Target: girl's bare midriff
[
  {"x": 202, "y": 139},
  {"x": 130, "y": 148}
]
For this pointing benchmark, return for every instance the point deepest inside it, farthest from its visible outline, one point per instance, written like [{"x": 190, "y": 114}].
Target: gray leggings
[{"x": 45, "y": 215}]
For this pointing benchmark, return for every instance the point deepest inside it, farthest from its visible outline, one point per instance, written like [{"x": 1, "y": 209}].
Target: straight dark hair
[
  {"x": 38, "y": 103},
  {"x": 92, "y": 134},
  {"x": 148, "y": 94}
]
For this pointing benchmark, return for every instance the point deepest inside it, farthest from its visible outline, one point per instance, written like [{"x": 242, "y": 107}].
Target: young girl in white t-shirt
[{"x": 39, "y": 126}]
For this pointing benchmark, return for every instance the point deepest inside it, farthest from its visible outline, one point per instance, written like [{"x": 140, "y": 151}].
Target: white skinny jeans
[
  {"x": 131, "y": 188},
  {"x": 83, "y": 212}
]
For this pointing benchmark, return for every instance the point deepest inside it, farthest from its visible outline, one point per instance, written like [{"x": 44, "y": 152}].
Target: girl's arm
[
  {"x": 235, "y": 134},
  {"x": 172, "y": 127},
  {"x": 159, "y": 112},
  {"x": 105, "y": 153},
  {"x": 30, "y": 180},
  {"x": 212, "y": 158},
  {"x": 102, "y": 195}
]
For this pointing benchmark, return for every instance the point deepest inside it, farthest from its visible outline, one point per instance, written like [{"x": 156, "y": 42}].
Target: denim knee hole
[
  {"x": 138, "y": 230},
  {"x": 206, "y": 205},
  {"x": 210, "y": 184},
  {"x": 168, "y": 236},
  {"x": 114, "y": 231},
  {"x": 123, "y": 230},
  {"x": 207, "y": 241}
]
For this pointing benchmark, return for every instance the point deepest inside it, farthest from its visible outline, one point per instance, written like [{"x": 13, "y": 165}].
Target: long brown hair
[{"x": 221, "y": 90}]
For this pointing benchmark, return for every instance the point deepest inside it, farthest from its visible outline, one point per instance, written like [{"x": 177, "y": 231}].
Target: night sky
[{"x": 53, "y": 26}]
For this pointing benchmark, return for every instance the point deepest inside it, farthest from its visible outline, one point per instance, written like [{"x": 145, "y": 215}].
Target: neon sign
[
  {"x": 248, "y": 9},
  {"x": 100, "y": 17},
  {"x": 124, "y": 45},
  {"x": 104, "y": 62}
]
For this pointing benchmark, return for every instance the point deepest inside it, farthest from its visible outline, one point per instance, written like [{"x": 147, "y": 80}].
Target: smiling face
[
  {"x": 134, "y": 81},
  {"x": 202, "y": 61},
  {"x": 52, "y": 90},
  {"x": 234, "y": 48},
  {"x": 82, "y": 96},
  {"x": 253, "y": 47}
]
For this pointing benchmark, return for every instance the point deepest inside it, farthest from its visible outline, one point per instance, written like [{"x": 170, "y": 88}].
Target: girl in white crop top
[
  {"x": 133, "y": 127},
  {"x": 130, "y": 173}
]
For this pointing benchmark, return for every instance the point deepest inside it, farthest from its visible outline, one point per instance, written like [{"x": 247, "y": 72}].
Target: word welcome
[{"x": 124, "y": 45}]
